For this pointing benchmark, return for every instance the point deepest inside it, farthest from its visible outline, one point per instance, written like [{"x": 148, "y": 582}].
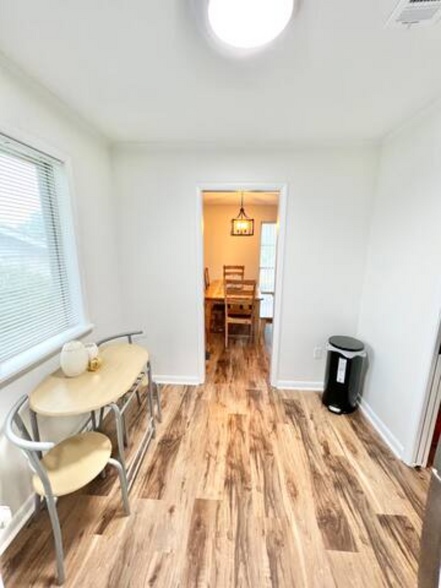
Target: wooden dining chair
[
  {"x": 240, "y": 306},
  {"x": 234, "y": 272},
  {"x": 64, "y": 468}
]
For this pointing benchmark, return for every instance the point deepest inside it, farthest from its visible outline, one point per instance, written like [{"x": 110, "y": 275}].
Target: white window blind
[{"x": 39, "y": 289}]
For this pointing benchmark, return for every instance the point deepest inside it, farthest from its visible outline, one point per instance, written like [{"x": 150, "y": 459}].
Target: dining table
[
  {"x": 125, "y": 369},
  {"x": 215, "y": 294}
]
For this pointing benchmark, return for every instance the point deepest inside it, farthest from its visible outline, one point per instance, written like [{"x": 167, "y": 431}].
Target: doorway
[
  {"x": 259, "y": 253},
  {"x": 430, "y": 429}
]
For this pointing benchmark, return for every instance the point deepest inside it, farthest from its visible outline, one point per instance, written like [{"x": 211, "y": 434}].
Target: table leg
[
  {"x": 208, "y": 316},
  {"x": 119, "y": 432}
]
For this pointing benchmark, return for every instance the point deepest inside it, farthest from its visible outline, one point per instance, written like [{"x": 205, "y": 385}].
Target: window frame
[
  {"x": 268, "y": 292},
  {"x": 17, "y": 365}
]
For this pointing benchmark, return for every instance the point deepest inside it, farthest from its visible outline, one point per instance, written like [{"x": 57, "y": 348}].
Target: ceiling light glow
[{"x": 248, "y": 24}]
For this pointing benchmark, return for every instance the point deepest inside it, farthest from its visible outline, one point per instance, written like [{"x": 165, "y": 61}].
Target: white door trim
[
  {"x": 421, "y": 450},
  {"x": 280, "y": 187}
]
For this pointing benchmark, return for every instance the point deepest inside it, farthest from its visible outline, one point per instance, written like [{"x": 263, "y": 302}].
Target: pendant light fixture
[{"x": 242, "y": 225}]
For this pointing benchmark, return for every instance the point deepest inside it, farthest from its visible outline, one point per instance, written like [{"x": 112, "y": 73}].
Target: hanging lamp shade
[{"x": 242, "y": 225}]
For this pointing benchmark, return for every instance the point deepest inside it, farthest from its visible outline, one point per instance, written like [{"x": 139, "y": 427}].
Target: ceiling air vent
[{"x": 410, "y": 13}]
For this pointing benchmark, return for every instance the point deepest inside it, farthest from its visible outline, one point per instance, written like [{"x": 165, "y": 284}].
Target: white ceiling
[
  {"x": 141, "y": 70},
  {"x": 250, "y": 198}
]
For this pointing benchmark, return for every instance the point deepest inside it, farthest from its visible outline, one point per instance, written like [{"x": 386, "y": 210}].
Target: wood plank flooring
[{"x": 244, "y": 486}]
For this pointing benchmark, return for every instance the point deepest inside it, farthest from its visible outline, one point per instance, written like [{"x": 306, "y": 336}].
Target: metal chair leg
[
  {"x": 34, "y": 427},
  {"x": 52, "y": 509},
  {"x": 101, "y": 418},
  {"x": 37, "y": 504},
  {"x": 126, "y": 432},
  {"x": 123, "y": 482},
  {"x": 119, "y": 432},
  {"x": 158, "y": 402},
  {"x": 150, "y": 397},
  {"x": 93, "y": 418}
]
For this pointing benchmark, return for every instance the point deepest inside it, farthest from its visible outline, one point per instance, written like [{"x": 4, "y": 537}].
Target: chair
[
  {"x": 234, "y": 272},
  {"x": 65, "y": 468},
  {"x": 144, "y": 379},
  {"x": 240, "y": 305}
]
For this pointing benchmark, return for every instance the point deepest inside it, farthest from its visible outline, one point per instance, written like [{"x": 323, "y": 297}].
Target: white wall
[
  {"x": 402, "y": 294},
  {"x": 27, "y": 109},
  {"x": 328, "y": 214},
  {"x": 220, "y": 247}
]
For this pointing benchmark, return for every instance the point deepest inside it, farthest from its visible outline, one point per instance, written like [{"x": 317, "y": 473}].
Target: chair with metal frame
[
  {"x": 134, "y": 390},
  {"x": 65, "y": 468}
]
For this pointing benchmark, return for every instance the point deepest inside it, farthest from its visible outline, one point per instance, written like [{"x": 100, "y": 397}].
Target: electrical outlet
[
  {"x": 318, "y": 353},
  {"x": 5, "y": 516}
]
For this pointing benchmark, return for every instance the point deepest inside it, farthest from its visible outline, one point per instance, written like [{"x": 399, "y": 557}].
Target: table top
[
  {"x": 58, "y": 395},
  {"x": 215, "y": 291}
]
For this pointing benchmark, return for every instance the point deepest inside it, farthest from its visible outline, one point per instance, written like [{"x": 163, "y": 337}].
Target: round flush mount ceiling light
[{"x": 249, "y": 24}]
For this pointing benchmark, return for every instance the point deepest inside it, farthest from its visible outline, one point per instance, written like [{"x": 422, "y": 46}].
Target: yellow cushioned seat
[{"x": 74, "y": 462}]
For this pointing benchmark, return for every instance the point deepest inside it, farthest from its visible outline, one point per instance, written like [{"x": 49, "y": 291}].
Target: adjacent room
[
  {"x": 220, "y": 296},
  {"x": 240, "y": 231}
]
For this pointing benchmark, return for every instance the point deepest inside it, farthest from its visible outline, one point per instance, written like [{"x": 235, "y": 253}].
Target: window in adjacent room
[
  {"x": 40, "y": 296},
  {"x": 267, "y": 271}
]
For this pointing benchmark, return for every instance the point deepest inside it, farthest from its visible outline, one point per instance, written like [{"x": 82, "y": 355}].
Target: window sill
[{"x": 17, "y": 366}]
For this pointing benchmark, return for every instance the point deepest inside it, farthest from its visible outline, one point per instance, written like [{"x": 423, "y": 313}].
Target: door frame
[
  {"x": 429, "y": 413},
  {"x": 282, "y": 189}
]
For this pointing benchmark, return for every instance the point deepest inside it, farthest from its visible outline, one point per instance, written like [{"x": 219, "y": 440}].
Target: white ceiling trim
[{"x": 241, "y": 145}]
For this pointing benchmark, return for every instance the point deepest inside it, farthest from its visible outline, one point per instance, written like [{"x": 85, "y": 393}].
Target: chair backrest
[
  {"x": 240, "y": 297},
  {"x": 234, "y": 272},
  {"x": 129, "y": 335},
  {"x": 23, "y": 440},
  {"x": 30, "y": 448},
  {"x": 206, "y": 277}
]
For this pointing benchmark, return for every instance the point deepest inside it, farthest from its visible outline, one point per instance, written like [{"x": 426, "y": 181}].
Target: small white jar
[
  {"x": 92, "y": 350},
  {"x": 74, "y": 359}
]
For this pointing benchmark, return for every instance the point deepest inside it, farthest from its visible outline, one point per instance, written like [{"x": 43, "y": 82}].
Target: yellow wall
[{"x": 221, "y": 248}]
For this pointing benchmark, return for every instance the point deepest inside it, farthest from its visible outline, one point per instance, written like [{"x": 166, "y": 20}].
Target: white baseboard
[
  {"x": 177, "y": 380},
  {"x": 18, "y": 521},
  {"x": 301, "y": 386},
  {"x": 384, "y": 432}
]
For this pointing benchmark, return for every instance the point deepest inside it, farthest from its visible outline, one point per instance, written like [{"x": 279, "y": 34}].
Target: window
[
  {"x": 40, "y": 298},
  {"x": 267, "y": 272}
]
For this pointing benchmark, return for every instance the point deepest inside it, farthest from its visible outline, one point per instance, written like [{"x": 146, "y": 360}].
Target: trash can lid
[{"x": 346, "y": 343}]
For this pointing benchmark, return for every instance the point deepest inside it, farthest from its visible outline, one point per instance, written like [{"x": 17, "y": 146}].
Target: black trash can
[{"x": 345, "y": 367}]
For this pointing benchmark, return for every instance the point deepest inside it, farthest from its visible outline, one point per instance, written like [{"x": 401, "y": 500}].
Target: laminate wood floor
[{"x": 244, "y": 486}]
